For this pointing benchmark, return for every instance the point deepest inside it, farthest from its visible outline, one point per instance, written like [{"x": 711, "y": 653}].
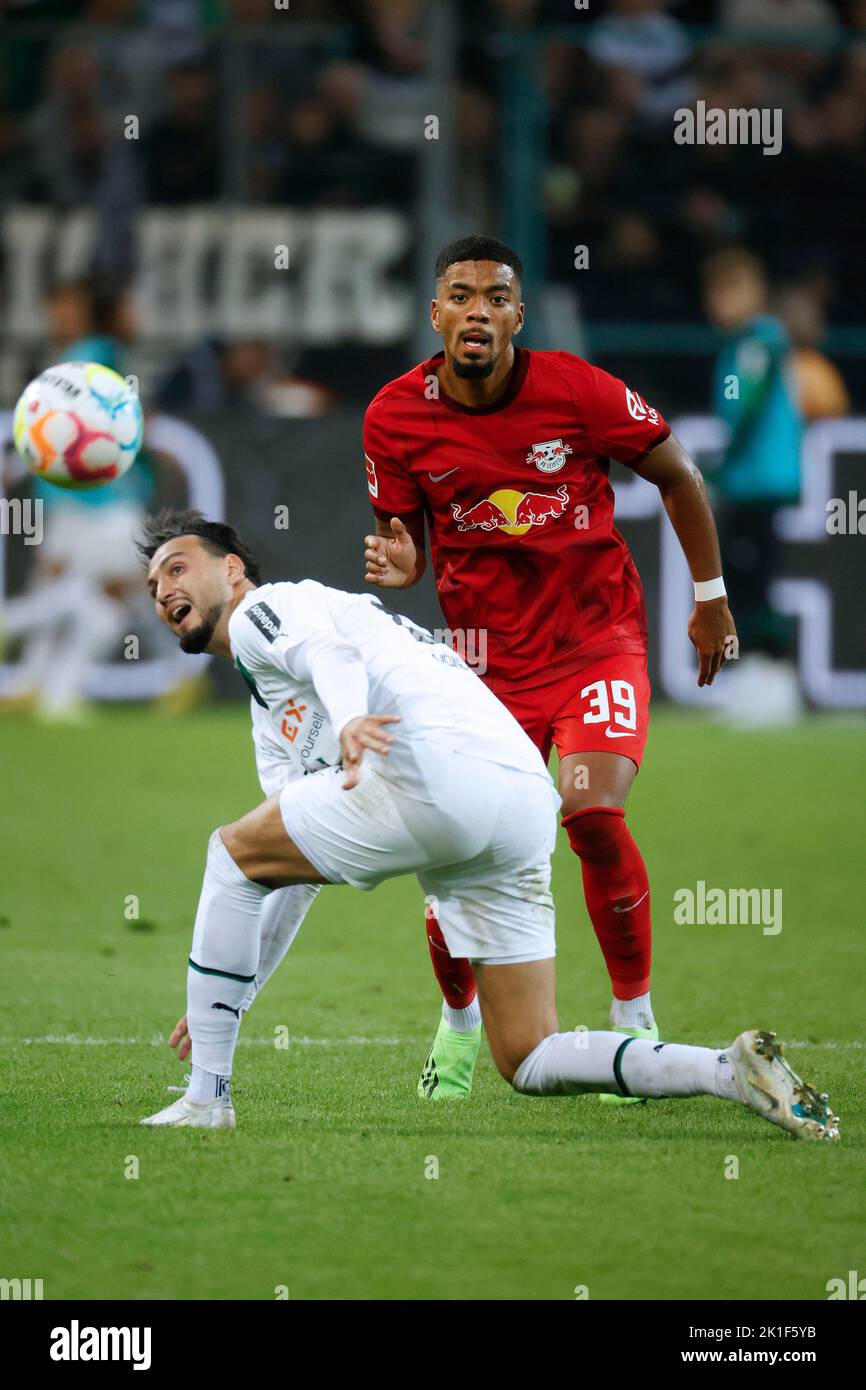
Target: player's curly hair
[
  {"x": 216, "y": 536},
  {"x": 478, "y": 248}
]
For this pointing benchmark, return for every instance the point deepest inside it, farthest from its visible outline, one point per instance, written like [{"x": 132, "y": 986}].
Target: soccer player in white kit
[{"x": 396, "y": 759}]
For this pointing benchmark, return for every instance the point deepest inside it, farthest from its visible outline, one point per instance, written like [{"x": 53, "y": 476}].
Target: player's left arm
[
  {"x": 678, "y": 479},
  {"x": 338, "y": 674},
  {"x": 621, "y": 425}
]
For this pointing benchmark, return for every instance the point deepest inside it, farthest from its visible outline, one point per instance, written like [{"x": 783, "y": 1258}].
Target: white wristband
[{"x": 709, "y": 588}]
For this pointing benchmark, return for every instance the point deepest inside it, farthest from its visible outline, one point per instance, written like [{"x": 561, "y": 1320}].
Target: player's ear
[
  {"x": 521, "y": 313},
  {"x": 434, "y": 313},
  {"x": 234, "y": 568}
]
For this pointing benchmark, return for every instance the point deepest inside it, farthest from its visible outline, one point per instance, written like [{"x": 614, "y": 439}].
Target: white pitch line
[
  {"x": 72, "y": 1040},
  {"x": 825, "y": 1046},
  {"x": 354, "y": 1040}
]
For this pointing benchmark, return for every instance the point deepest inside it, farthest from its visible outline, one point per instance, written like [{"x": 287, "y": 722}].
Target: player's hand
[
  {"x": 390, "y": 562},
  {"x": 713, "y": 636},
  {"x": 181, "y": 1039},
  {"x": 366, "y": 731}
]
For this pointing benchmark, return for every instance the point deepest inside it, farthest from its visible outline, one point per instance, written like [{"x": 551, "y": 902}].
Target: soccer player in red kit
[{"x": 505, "y": 452}]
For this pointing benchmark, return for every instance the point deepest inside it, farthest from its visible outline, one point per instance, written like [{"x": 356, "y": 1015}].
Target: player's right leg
[
  {"x": 282, "y": 914},
  {"x": 519, "y": 1011},
  {"x": 449, "y": 1067}
]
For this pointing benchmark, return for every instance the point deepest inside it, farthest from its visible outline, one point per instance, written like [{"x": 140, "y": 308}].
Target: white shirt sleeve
[
  {"x": 337, "y": 672},
  {"x": 301, "y": 640}
]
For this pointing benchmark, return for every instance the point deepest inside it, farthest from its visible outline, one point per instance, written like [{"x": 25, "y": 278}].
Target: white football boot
[
  {"x": 209, "y": 1114},
  {"x": 768, "y": 1086}
]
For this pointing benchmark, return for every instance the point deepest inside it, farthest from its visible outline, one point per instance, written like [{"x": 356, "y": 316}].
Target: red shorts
[{"x": 602, "y": 709}]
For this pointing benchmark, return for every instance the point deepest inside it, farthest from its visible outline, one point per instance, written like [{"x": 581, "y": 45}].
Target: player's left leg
[
  {"x": 518, "y": 1005},
  {"x": 245, "y": 862},
  {"x": 600, "y": 733},
  {"x": 615, "y": 879}
]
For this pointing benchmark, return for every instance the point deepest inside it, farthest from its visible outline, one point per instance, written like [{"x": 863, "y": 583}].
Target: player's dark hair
[
  {"x": 478, "y": 248},
  {"x": 215, "y": 536}
]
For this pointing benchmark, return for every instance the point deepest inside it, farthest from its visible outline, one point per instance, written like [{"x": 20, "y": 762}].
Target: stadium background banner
[
  {"x": 314, "y": 468},
  {"x": 296, "y": 490}
]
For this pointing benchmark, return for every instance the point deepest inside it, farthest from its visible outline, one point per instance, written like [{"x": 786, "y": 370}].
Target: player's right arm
[{"x": 394, "y": 554}]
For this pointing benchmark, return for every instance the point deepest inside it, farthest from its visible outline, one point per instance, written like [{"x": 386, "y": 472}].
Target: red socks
[
  {"x": 455, "y": 977},
  {"x": 617, "y": 894}
]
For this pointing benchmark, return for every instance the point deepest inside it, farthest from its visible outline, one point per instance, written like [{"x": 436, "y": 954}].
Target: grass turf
[{"x": 322, "y": 1190}]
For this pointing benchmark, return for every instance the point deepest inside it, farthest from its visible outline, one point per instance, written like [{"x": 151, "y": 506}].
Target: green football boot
[
  {"x": 653, "y": 1035},
  {"x": 447, "y": 1073}
]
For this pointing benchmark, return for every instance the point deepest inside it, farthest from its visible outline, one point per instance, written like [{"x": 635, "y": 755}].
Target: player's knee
[
  {"x": 529, "y": 1076},
  {"x": 587, "y": 799},
  {"x": 507, "y": 1067},
  {"x": 511, "y": 1056},
  {"x": 237, "y": 844},
  {"x": 596, "y": 832}
]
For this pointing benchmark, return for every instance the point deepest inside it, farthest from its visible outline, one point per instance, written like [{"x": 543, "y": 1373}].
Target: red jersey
[{"x": 520, "y": 507}]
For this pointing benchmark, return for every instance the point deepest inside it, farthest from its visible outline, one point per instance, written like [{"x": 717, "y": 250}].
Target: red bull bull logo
[{"x": 511, "y": 511}]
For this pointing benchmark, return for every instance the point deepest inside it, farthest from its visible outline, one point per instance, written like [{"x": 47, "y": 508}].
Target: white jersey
[{"x": 315, "y": 657}]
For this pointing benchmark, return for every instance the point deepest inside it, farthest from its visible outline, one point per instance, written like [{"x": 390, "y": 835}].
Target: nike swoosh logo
[
  {"x": 634, "y": 905},
  {"x": 610, "y": 734},
  {"x": 439, "y": 476}
]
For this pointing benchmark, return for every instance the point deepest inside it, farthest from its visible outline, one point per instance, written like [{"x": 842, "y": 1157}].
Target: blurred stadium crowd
[
  {"x": 321, "y": 105},
  {"x": 241, "y": 104}
]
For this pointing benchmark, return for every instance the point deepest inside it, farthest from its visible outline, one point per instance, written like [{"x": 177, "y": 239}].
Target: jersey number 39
[{"x": 610, "y": 702}]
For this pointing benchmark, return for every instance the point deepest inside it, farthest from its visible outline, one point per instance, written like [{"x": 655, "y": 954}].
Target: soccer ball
[{"x": 78, "y": 425}]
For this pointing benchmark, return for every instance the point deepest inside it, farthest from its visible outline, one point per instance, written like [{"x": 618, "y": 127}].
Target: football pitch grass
[{"x": 326, "y": 1190}]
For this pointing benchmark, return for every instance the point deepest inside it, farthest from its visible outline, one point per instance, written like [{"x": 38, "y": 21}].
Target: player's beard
[
  {"x": 474, "y": 371},
  {"x": 198, "y": 638}
]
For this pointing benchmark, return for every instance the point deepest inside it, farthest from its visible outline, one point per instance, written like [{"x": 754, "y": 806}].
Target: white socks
[
  {"x": 631, "y": 1013},
  {"x": 223, "y": 961},
  {"x": 573, "y": 1063},
  {"x": 726, "y": 1086},
  {"x": 462, "y": 1020},
  {"x": 242, "y": 932},
  {"x": 206, "y": 1085},
  {"x": 281, "y": 917}
]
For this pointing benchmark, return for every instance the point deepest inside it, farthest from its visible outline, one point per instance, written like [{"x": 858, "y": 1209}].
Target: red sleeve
[
  {"x": 393, "y": 490},
  {"x": 619, "y": 423}
]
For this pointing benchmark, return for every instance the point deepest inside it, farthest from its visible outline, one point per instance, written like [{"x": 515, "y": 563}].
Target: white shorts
[{"x": 478, "y": 835}]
